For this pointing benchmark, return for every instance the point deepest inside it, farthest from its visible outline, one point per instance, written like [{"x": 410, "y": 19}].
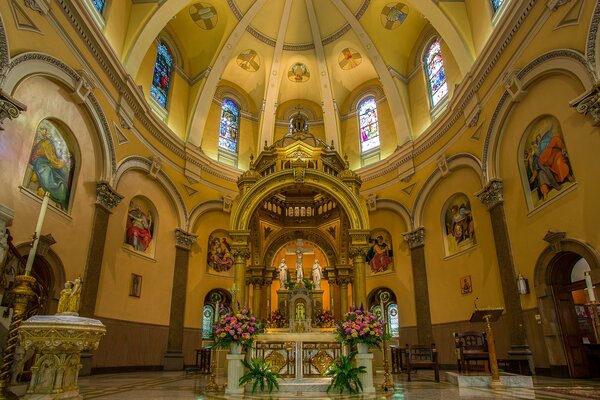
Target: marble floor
[{"x": 181, "y": 385}]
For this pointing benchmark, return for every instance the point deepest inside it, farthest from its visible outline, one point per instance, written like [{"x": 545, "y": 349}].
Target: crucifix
[{"x": 299, "y": 251}]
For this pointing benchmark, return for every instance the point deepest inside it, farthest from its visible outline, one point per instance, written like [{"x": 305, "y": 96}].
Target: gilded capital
[
  {"x": 183, "y": 239},
  {"x": 492, "y": 194},
  {"x": 240, "y": 253},
  {"x": 106, "y": 196},
  {"x": 415, "y": 238},
  {"x": 358, "y": 251}
]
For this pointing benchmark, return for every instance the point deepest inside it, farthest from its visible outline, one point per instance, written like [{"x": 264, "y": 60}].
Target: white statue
[
  {"x": 317, "y": 274},
  {"x": 299, "y": 271},
  {"x": 283, "y": 277}
]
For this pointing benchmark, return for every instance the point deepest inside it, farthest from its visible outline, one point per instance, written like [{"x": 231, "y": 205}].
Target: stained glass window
[
  {"x": 99, "y": 5},
  {"x": 230, "y": 126},
  {"x": 207, "y": 321},
  {"x": 436, "y": 77},
  {"x": 393, "y": 322},
  {"x": 369, "y": 125},
  {"x": 162, "y": 75},
  {"x": 496, "y": 4}
]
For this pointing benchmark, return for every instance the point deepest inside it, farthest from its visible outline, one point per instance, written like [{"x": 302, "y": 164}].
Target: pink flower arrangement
[
  {"x": 236, "y": 328},
  {"x": 277, "y": 319},
  {"x": 360, "y": 326},
  {"x": 324, "y": 319}
]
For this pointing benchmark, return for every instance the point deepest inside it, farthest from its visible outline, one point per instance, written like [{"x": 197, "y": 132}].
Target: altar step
[
  {"x": 304, "y": 385},
  {"x": 508, "y": 380}
]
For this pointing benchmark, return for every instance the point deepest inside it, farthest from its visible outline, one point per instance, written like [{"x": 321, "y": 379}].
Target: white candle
[
  {"x": 589, "y": 287},
  {"x": 217, "y": 312},
  {"x": 36, "y": 235}
]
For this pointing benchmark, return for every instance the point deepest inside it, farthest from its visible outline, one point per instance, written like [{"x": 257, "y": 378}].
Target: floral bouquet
[
  {"x": 360, "y": 326},
  {"x": 277, "y": 319},
  {"x": 236, "y": 328},
  {"x": 324, "y": 319}
]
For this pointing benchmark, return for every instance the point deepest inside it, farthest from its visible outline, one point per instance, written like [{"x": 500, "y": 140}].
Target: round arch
[
  {"x": 290, "y": 235},
  {"x": 457, "y": 161},
  {"x": 251, "y": 200},
  {"x": 565, "y": 62},
  {"x": 397, "y": 208},
  {"x": 202, "y": 208}
]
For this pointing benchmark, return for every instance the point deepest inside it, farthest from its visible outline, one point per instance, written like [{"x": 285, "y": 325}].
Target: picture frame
[
  {"x": 466, "y": 286},
  {"x": 135, "y": 286}
]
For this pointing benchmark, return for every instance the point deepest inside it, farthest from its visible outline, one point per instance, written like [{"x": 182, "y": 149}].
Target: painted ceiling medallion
[
  {"x": 298, "y": 73},
  {"x": 393, "y": 15},
  {"x": 249, "y": 60},
  {"x": 204, "y": 15},
  {"x": 349, "y": 58}
]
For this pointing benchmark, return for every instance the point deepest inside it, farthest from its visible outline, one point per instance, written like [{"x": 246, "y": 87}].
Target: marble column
[
  {"x": 6, "y": 218},
  {"x": 416, "y": 243},
  {"x": 267, "y": 289},
  {"x": 256, "y": 296},
  {"x": 240, "y": 255},
  {"x": 106, "y": 200},
  {"x": 343, "y": 282},
  {"x": 359, "y": 242},
  {"x": 332, "y": 303},
  {"x": 492, "y": 197},
  {"x": 173, "y": 360}
]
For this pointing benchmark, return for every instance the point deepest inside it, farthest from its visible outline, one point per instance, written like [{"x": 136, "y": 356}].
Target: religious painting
[
  {"x": 135, "y": 288},
  {"x": 393, "y": 15},
  {"x": 219, "y": 259},
  {"x": 248, "y": 60},
  {"x": 51, "y": 165},
  {"x": 204, "y": 15},
  {"x": 546, "y": 166},
  {"x": 465, "y": 285},
  {"x": 458, "y": 223},
  {"x": 140, "y": 227},
  {"x": 349, "y": 58},
  {"x": 379, "y": 256},
  {"x": 298, "y": 73}
]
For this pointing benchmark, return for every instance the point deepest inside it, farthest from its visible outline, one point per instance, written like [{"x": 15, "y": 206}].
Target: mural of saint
[
  {"x": 140, "y": 225},
  {"x": 51, "y": 165},
  {"x": 379, "y": 255},
  {"x": 459, "y": 226},
  {"x": 219, "y": 257},
  {"x": 546, "y": 161}
]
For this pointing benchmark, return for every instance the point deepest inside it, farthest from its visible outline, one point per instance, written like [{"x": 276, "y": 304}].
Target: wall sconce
[{"x": 522, "y": 285}]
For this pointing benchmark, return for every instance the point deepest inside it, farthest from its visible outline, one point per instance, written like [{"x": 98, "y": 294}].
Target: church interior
[{"x": 420, "y": 160}]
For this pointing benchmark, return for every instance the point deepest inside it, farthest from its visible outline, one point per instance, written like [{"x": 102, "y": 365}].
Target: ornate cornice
[
  {"x": 184, "y": 240},
  {"x": 415, "y": 238},
  {"x": 106, "y": 196},
  {"x": 9, "y": 107},
  {"x": 492, "y": 194}
]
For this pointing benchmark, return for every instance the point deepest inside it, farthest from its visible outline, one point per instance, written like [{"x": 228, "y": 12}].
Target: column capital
[
  {"x": 256, "y": 281},
  {"x": 9, "y": 107},
  {"x": 242, "y": 252},
  {"x": 184, "y": 240},
  {"x": 415, "y": 238},
  {"x": 106, "y": 196},
  {"x": 555, "y": 239},
  {"x": 492, "y": 193},
  {"x": 344, "y": 280},
  {"x": 358, "y": 251},
  {"x": 589, "y": 104}
]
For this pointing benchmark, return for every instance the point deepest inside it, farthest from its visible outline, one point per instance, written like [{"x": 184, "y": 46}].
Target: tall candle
[
  {"x": 36, "y": 235},
  {"x": 217, "y": 315},
  {"x": 589, "y": 287}
]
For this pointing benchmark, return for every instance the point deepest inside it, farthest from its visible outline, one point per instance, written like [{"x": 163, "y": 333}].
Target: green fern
[
  {"x": 345, "y": 376},
  {"x": 260, "y": 373}
]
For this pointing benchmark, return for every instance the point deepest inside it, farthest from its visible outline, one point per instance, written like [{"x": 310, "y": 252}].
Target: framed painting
[
  {"x": 219, "y": 260},
  {"x": 466, "y": 286},
  {"x": 135, "y": 287},
  {"x": 458, "y": 224},
  {"x": 379, "y": 257}
]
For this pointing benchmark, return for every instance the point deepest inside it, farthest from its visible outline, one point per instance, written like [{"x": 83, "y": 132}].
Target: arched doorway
[{"x": 571, "y": 339}]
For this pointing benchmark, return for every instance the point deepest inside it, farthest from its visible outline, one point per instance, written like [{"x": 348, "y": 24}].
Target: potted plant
[
  {"x": 308, "y": 284},
  {"x": 361, "y": 328},
  {"x": 260, "y": 373},
  {"x": 345, "y": 375},
  {"x": 289, "y": 285},
  {"x": 235, "y": 330}
]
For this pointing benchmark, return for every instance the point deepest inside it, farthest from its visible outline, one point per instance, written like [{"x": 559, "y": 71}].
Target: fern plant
[
  {"x": 260, "y": 373},
  {"x": 345, "y": 375}
]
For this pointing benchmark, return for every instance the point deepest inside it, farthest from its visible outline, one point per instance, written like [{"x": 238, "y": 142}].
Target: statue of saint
[
  {"x": 68, "y": 303},
  {"x": 317, "y": 274},
  {"x": 299, "y": 271},
  {"x": 283, "y": 273},
  {"x": 63, "y": 301}
]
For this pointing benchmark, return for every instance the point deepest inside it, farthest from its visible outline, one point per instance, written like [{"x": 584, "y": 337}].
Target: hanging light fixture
[{"x": 522, "y": 284}]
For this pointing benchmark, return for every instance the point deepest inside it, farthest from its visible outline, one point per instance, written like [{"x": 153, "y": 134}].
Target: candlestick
[
  {"x": 217, "y": 312},
  {"x": 589, "y": 287},
  {"x": 36, "y": 235}
]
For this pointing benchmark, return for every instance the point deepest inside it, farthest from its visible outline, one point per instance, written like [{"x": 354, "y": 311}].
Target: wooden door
[{"x": 574, "y": 348}]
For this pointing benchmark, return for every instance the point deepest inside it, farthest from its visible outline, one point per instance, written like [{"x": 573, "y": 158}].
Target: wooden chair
[
  {"x": 422, "y": 357},
  {"x": 471, "y": 346}
]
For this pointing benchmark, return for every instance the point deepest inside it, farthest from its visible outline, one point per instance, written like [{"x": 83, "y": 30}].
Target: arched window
[
  {"x": 163, "y": 68},
  {"x": 207, "y": 321},
  {"x": 392, "y": 319},
  {"x": 496, "y": 4},
  {"x": 99, "y": 5},
  {"x": 216, "y": 302},
  {"x": 368, "y": 124},
  {"x": 434, "y": 70},
  {"x": 230, "y": 126},
  {"x": 52, "y": 164}
]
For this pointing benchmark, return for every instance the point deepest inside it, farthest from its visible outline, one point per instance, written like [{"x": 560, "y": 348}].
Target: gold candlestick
[
  {"x": 492, "y": 351},
  {"x": 387, "y": 382},
  {"x": 212, "y": 385},
  {"x": 22, "y": 294}
]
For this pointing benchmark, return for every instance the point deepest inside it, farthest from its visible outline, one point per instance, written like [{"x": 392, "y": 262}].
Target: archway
[{"x": 560, "y": 288}]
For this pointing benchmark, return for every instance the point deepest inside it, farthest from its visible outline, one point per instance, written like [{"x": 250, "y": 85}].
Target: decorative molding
[
  {"x": 9, "y": 108},
  {"x": 556, "y": 4},
  {"x": 590, "y": 48},
  {"x": 442, "y": 163},
  {"x": 555, "y": 239},
  {"x": 4, "y": 51},
  {"x": 227, "y": 203},
  {"x": 572, "y": 16},
  {"x": 155, "y": 166},
  {"x": 184, "y": 240},
  {"x": 514, "y": 85},
  {"x": 106, "y": 196},
  {"x": 589, "y": 104},
  {"x": 83, "y": 87},
  {"x": 415, "y": 238},
  {"x": 41, "y": 6},
  {"x": 492, "y": 194},
  {"x": 372, "y": 202},
  {"x": 22, "y": 20}
]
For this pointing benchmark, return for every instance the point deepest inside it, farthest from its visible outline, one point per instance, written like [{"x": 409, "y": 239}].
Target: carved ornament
[
  {"x": 415, "y": 238},
  {"x": 555, "y": 239},
  {"x": 106, "y": 196},
  {"x": 9, "y": 108},
  {"x": 492, "y": 194},
  {"x": 589, "y": 104},
  {"x": 243, "y": 253},
  {"x": 183, "y": 239}
]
